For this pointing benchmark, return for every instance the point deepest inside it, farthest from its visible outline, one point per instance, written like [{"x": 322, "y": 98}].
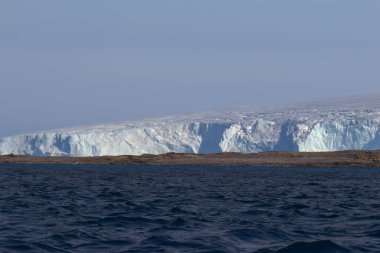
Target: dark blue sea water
[{"x": 77, "y": 208}]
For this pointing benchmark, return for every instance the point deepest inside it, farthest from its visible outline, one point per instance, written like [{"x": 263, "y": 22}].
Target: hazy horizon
[
  {"x": 365, "y": 99},
  {"x": 73, "y": 63}
]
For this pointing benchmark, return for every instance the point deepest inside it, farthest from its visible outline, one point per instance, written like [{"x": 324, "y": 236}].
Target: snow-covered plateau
[{"x": 329, "y": 125}]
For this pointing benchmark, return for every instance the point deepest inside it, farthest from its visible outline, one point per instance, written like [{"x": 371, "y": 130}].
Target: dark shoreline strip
[{"x": 341, "y": 159}]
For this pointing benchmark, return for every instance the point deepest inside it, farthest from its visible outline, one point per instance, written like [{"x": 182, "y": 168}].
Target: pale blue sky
[{"x": 74, "y": 62}]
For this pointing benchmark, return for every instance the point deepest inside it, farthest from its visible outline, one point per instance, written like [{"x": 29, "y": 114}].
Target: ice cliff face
[{"x": 330, "y": 125}]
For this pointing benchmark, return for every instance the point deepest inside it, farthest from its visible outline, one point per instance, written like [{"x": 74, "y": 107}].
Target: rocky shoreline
[{"x": 342, "y": 159}]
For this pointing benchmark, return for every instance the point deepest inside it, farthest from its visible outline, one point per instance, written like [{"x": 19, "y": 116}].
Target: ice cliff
[{"x": 329, "y": 125}]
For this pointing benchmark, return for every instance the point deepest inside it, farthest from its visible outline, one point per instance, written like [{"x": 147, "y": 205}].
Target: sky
[{"x": 68, "y": 62}]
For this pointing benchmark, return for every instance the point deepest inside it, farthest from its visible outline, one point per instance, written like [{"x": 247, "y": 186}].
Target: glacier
[{"x": 350, "y": 123}]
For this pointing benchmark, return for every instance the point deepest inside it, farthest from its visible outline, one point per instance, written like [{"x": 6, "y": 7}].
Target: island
[{"x": 340, "y": 159}]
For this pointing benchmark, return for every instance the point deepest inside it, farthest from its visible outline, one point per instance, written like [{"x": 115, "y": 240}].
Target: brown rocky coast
[{"x": 270, "y": 159}]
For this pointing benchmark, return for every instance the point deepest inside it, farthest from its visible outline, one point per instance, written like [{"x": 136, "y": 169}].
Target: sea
[{"x": 119, "y": 208}]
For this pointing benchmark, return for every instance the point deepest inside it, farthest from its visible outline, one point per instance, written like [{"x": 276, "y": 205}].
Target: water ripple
[{"x": 77, "y": 208}]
